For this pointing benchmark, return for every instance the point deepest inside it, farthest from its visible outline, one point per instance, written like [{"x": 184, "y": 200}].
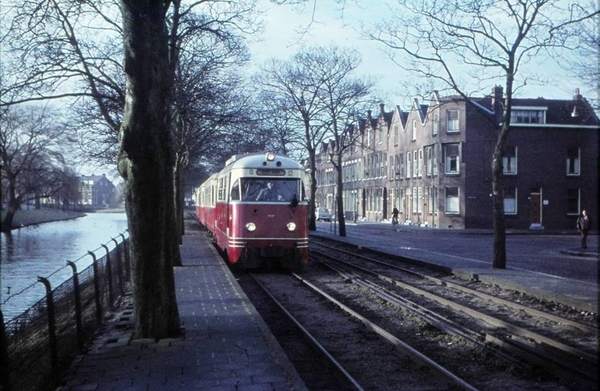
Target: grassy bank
[{"x": 24, "y": 218}]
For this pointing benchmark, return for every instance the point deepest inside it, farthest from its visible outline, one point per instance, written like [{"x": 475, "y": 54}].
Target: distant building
[
  {"x": 96, "y": 190},
  {"x": 433, "y": 162}
]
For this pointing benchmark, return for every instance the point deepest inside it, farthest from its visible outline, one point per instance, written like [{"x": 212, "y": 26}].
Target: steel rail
[
  {"x": 408, "y": 350},
  {"x": 309, "y": 336},
  {"x": 431, "y": 317},
  {"x": 579, "y": 358},
  {"x": 520, "y": 307}
]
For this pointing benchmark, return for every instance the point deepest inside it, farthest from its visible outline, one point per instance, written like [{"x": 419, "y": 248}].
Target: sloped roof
[{"x": 559, "y": 111}]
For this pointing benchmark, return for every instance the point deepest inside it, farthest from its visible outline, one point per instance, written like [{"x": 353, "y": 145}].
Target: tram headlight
[
  {"x": 291, "y": 226},
  {"x": 270, "y": 156},
  {"x": 251, "y": 227}
]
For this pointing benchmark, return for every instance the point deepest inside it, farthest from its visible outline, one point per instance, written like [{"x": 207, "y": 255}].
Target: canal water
[{"x": 43, "y": 250}]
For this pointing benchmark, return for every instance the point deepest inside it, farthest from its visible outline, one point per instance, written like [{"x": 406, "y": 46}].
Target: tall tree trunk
[
  {"x": 13, "y": 204},
  {"x": 146, "y": 163},
  {"x": 179, "y": 198},
  {"x": 339, "y": 186},
  {"x": 499, "y": 261}
]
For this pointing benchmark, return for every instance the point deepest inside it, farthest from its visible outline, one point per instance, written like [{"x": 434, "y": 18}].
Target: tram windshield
[{"x": 267, "y": 190}]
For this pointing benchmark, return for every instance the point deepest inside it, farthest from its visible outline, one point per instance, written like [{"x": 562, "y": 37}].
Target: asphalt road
[{"x": 551, "y": 254}]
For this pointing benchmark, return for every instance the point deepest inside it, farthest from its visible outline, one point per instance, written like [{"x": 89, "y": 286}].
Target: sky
[{"x": 281, "y": 39}]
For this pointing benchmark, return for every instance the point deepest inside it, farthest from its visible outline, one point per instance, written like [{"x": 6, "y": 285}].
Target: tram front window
[{"x": 270, "y": 190}]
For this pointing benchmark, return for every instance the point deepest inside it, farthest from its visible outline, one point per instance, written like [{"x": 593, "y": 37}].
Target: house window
[
  {"x": 415, "y": 165},
  {"x": 452, "y": 121},
  {"x": 400, "y": 165},
  {"x": 510, "y": 201},
  {"x": 414, "y": 130},
  {"x": 392, "y": 169},
  {"x": 452, "y": 200},
  {"x": 420, "y": 173},
  {"x": 573, "y": 161},
  {"x": 509, "y": 160},
  {"x": 420, "y": 200},
  {"x": 401, "y": 203},
  {"x": 436, "y": 123},
  {"x": 528, "y": 116},
  {"x": 396, "y": 135},
  {"x": 429, "y": 161},
  {"x": 408, "y": 164},
  {"x": 435, "y": 160},
  {"x": 432, "y": 200},
  {"x": 452, "y": 158},
  {"x": 573, "y": 201},
  {"x": 415, "y": 200}
]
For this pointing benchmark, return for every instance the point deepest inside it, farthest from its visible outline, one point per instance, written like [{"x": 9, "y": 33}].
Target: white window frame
[
  {"x": 415, "y": 168},
  {"x": 429, "y": 160},
  {"x": 435, "y": 124},
  {"x": 528, "y": 115},
  {"x": 414, "y": 130},
  {"x": 415, "y": 200},
  {"x": 510, "y": 203},
  {"x": 509, "y": 163},
  {"x": 574, "y": 163},
  {"x": 408, "y": 164},
  {"x": 452, "y": 124},
  {"x": 449, "y": 159},
  {"x": 452, "y": 204}
]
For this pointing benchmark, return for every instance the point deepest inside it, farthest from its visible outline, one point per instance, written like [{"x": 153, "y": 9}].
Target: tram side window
[{"x": 235, "y": 191}]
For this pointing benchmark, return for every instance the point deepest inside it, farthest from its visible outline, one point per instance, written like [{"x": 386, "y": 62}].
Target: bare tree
[
  {"x": 461, "y": 44},
  {"x": 585, "y": 64},
  {"x": 297, "y": 89},
  {"x": 343, "y": 98},
  {"x": 32, "y": 165},
  {"x": 146, "y": 164}
]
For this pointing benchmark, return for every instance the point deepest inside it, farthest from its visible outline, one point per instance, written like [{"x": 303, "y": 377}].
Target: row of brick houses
[{"x": 433, "y": 163}]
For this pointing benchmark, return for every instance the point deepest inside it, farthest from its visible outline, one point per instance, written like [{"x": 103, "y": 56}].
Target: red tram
[{"x": 257, "y": 211}]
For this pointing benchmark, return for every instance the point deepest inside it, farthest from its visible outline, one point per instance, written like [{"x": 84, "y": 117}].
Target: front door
[{"x": 536, "y": 208}]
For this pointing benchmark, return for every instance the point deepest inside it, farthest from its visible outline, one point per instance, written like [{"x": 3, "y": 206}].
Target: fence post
[
  {"x": 51, "y": 325},
  {"x": 78, "y": 316},
  {"x": 4, "y": 361},
  {"x": 111, "y": 298},
  {"x": 119, "y": 266},
  {"x": 96, "y": 289},
  {"x": 127, "y": 259}
]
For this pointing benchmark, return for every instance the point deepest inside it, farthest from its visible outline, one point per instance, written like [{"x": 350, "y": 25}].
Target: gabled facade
[
  {"x": 433, "y": 162},
  {"x": 96, "y": 190}
]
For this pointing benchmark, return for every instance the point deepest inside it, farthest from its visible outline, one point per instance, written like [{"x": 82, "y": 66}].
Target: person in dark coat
[
  {"x": 584, "y": 224},
  {"x": 395, "y": 213}
]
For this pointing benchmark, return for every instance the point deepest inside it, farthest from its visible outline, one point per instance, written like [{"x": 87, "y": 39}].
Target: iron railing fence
[{"x": 37, "y": 346}]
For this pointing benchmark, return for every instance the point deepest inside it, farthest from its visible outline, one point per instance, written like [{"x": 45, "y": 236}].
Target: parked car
[{"x": 322, "y": 214}]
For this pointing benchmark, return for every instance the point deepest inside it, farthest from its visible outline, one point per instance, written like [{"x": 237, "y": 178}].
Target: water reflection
[{"x": 44, "y": 249}]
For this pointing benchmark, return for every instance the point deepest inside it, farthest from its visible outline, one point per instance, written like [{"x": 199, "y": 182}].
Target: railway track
[
  {"x": 350, "y": 347},
  {"x": 393, "y": 337},
  {"x": 562, "y": 346}
]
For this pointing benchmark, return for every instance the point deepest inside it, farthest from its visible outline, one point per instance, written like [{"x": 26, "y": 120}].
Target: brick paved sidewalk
[{"x": 226, "y": 345}]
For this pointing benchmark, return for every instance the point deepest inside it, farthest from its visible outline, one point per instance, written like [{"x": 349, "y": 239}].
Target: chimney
[
  {"x": 577, "y": 97},
  {"x": 369, "y": 115},
  {"x": 498, "y": 103},
  {"x": 497, "y": 93},
  {"x": 381, "y": 106}
]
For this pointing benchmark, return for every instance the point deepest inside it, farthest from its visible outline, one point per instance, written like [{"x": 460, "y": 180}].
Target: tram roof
[{"x": 260, "y": 160}]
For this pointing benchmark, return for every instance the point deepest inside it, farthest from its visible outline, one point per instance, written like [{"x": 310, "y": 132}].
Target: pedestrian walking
[
  {"x": 395, "y": 213},
  {"x": 584, "y": 224}
]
